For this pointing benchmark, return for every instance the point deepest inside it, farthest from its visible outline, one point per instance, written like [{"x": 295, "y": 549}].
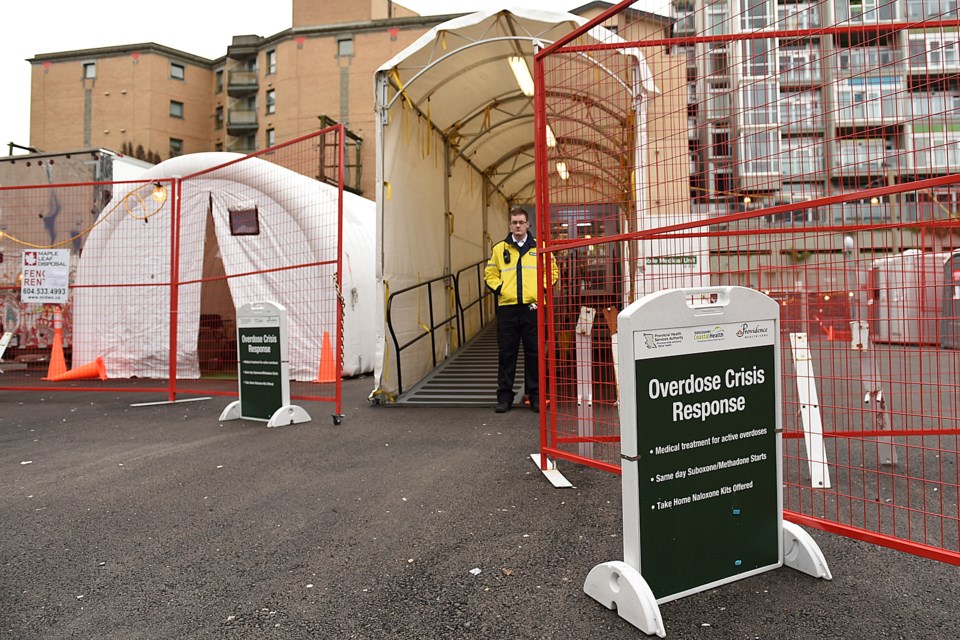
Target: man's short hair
[{"x": 519, "y": 211}]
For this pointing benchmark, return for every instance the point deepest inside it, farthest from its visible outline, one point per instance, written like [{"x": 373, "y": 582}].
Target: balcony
[
  {"x": 243, "y": 146},
  {"x": 936, "y": 152},
  {"x": 864, "y": 62},
  {"x": 240, "y": 83},
  {"x": 865, "y": 11},
  {"x": 944, "y": 107},
  {"x": 241, "y": 121},
  {"x": 798, "y": 16},
  {"x": 684, "y": 25},
  {"x": 870, "y": 157},
  {"x": 871, "y": 113},
  {"x": 799, "y": 69},
  {"x": 870, "y": 101},
  {"x": 934, "y": 52}
]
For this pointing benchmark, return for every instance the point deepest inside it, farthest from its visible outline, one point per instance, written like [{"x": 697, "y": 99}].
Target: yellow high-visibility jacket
[{"x": 512, "y": 271}]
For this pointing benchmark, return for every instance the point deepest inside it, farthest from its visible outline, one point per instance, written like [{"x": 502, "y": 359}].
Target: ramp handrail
[
  {"x": 450, "y": 280},
  {"x": 482, "y": 289}
]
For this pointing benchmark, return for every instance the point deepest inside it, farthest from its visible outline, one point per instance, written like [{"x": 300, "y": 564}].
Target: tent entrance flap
[{"x": 216, "y": 342}]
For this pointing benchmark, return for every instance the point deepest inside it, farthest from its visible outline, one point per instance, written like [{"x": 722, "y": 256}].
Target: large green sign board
[
  {"x": 700, "y": 442},
  {"x": 707, "y": 461},
  {"x": 261, "y": 386}
]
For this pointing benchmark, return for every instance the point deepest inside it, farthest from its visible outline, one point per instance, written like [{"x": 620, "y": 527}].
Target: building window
[
  {"x": 271, "y": 137},
  {"x": 176, "y": 109},
  {"x": 219, "y": 118},
  {"x": 271, "y": 61},
  {"x": 89, "y": 70},
  {"x": 721, "y": 145},
  {"x": 271, "y": 101},
  {"x": 177, "y": 71},
  {"x": 218, "y": 146},
  {"x": 219, "y": 79},
  {"x": 345, "y": 47},
  {"x": 176, "y": 147}
]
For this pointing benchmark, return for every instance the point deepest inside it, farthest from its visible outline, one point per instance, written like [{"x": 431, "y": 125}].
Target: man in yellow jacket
[{"x": 512, "y": 273}]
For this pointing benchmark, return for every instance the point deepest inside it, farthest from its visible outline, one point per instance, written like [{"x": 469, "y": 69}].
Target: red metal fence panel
[
  {"x": 808, "y": 156},
  {"x": 157, "y": 269}
]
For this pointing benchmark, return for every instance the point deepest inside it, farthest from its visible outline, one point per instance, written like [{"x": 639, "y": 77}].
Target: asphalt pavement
[{"x": 161, "y": 522}]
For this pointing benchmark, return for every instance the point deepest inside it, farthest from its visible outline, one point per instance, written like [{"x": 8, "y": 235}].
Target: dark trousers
[{"x": 516, "y": 323}]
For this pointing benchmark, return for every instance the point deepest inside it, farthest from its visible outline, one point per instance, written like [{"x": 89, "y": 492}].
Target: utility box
[
  {"x": 950, "y": 309},
  {"x": 905, "y": 298}
]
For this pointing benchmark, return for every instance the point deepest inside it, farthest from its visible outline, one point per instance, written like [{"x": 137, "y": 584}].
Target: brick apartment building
[{"x": 149, "y": 99}]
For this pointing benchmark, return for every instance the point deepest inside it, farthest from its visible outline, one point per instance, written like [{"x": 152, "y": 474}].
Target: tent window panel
[{"x": 244, "y": 222}]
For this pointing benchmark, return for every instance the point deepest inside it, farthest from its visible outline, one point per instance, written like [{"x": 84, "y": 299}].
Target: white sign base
[
  {"x": 801, "y": 552},
  {"x": 617, "y": 585},
  {"x": 287, "y": 414}
]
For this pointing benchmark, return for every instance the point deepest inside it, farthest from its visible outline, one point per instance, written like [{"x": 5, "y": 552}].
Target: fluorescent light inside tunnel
[
  {"x": 562, "y": 170},
  {"x": 518, "y": 64},
  {"x": 551, "y": 139}
]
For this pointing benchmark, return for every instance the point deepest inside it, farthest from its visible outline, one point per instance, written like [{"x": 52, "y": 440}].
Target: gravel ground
[{"x": 161, "y": 522}]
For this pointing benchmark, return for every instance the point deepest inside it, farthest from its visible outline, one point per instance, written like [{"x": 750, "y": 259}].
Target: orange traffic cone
[
  {"x": 88, "y": 371},
  {"x": 57, "y": 363},
  {"x": 328, "y": 371}
]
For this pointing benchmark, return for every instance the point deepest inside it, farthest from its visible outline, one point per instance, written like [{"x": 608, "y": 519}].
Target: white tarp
[{"x": 297, "y": 226}]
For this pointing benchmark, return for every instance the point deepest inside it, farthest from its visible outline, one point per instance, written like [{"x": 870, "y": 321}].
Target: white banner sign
[{"x": 46, "y": 273}]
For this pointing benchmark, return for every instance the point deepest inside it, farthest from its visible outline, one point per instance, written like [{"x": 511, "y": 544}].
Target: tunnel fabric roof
[{"x": 457, "y": 74}]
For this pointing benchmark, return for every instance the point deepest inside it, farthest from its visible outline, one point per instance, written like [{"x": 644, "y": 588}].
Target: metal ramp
[{"x": 468, "y": 378}]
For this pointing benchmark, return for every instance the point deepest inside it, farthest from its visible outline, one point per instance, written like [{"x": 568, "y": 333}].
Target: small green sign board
[
  {"x": 707, "y": 464},
  {"x": 260, "y": 367},
  {"x": 263, "y": 367}
]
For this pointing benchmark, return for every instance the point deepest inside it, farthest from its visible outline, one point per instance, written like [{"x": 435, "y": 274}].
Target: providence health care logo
[{"x": 748, "y": 332}]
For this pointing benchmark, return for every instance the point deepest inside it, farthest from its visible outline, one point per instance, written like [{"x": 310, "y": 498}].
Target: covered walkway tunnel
[{"x": 456, "y": 148}]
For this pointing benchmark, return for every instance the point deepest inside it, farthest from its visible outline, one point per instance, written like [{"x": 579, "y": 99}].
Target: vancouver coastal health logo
[
  {"x": 708, "y": 335},
  {"x": 748, "y": 333}
]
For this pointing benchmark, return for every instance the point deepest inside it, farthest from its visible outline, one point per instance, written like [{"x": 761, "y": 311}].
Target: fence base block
[
  {"x": 802, "y": 553},
  {"x": 288, "y": 414},
  {"x": 551, "y": 473},
  {"x": 617, "y": 585}
]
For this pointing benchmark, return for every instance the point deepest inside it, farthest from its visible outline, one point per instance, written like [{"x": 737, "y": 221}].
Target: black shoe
[
  {"x": 535, "y": 407},
  {"x": 502, "y": 407}
]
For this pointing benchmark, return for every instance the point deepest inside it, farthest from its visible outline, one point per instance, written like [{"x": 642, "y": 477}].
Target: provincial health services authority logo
[
  {"x": 748, "y": 332},
  {"x": 660, "y": 340},
  {"x": 708, "y": 335}
]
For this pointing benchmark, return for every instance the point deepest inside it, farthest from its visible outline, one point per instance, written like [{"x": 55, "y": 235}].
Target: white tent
[
  {"x": 455, "y": 148},
  {"x": 297, "y": 218}
]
